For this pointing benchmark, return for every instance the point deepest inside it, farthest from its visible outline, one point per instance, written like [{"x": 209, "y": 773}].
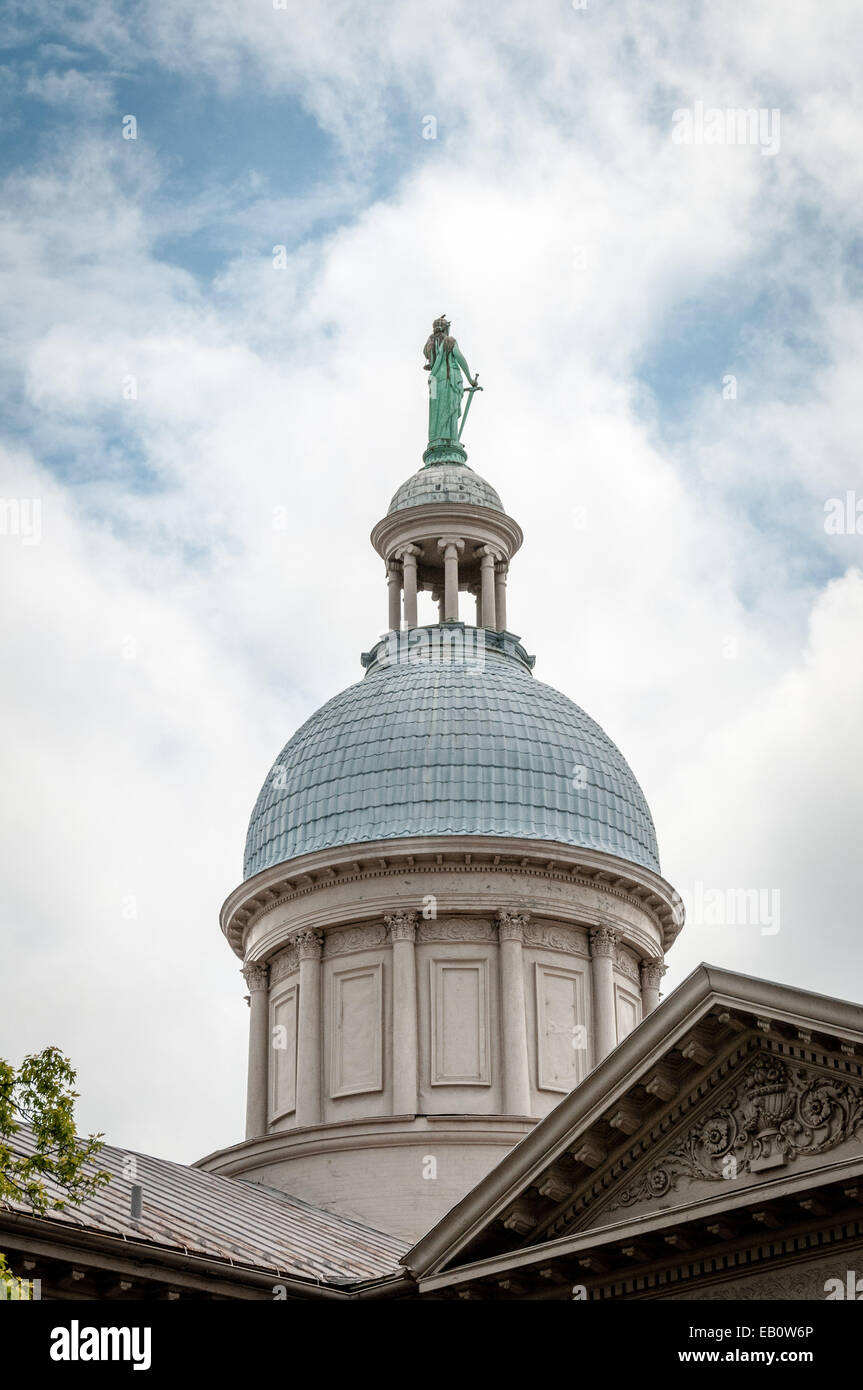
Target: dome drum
[{"x": 457, "y": 987}]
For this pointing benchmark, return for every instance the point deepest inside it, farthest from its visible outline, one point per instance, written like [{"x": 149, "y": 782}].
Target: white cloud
[
  {"x": 71, "y": 90},
  {"x": 302, "y": 388}
]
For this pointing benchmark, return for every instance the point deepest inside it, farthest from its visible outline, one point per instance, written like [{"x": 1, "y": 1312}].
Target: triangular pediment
[
  {"x": 770, "y": 1115},
  {"x": 733, "y": 1091}
]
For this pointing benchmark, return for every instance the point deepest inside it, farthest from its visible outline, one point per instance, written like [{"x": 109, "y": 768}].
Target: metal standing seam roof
[
  {"x": 445, "y": 482},
  {"x": 224, "y": 1218},
  {"x": 432, "y": 749}
]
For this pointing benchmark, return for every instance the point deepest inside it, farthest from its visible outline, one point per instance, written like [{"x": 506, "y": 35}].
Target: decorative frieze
[
  {"x": 350, "y": 939},
  {"x": 627, "y": 964},
  {"x": 553, "y": 936},
  {"x": 284, "y": 964},
  {"x": 475, "y": 929}
]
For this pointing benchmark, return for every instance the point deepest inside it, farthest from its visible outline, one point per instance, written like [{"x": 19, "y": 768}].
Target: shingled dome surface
[
  {"x": 432, "y": 749},
  {"x": 445, "y": 482}
]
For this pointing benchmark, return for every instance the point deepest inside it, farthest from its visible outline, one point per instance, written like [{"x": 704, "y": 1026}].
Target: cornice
[
  {"x": 617, "y": 878},
  {"x": 368, "y": 1132},
  {"x": 434, "y": 519}
]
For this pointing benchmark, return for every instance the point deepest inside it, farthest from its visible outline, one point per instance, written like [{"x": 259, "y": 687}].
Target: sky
[{"x": 225, "y": 232}]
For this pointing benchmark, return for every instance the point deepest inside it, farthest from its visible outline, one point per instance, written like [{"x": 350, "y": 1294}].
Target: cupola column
[
  {"x": 501, "y": 570},
  {"x": 603, "y": 948},
  {"x": 652, "y": 972},
  {"x": 451, "y": 546},
  {"x": 403, "y": 930},
  {"x": 394, "y": 595},
  {"x": 309, "y": 945},
  {"x": 476, "y": 591},
  {"x": 516, "y": 1073},
  {"x": 487, "y": 556},
  {"x": 257, "y": 979},
  {"x": 408, "y": 556}
]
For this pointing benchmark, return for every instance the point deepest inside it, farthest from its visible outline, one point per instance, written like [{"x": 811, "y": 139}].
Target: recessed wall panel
[
  {"x": 562, "y": 1033},
  {"x": 628, "y": 1009},
  {"x": 460, "y": 1023},
  {"x": 356, "y": 1023},
  {"x": 283, "y": 1053}
]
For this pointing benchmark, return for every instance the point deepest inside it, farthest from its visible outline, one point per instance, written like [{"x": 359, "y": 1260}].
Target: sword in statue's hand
[{"x": 474, "y": 386}]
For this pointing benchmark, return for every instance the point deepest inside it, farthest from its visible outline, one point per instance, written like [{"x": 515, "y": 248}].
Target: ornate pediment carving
[{"x": 776, "y": 1112}]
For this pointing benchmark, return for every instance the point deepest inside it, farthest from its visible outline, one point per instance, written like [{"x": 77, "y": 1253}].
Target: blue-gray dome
[
  {"x": 445, "y": 482},
  {"x": 432, "y": 749}
]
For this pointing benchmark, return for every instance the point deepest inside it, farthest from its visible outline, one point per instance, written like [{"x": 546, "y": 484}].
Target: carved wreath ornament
[{"x": 775, "y": 1114}]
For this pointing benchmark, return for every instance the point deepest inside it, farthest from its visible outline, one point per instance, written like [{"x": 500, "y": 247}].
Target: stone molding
[
  {"x": 690, "y": 1281},
  {"x": 794, "y": 1283},
  {"x": 283, "y": 885}
]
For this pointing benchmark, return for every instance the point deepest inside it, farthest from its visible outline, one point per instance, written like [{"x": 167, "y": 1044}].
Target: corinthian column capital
[
  {"x": 256, "y": 976},
  {"x": 511, "y": 925},
  {"x": 402, "y": 926},
  {"x": 652, "y": 972},
  {"x": 309, "y": 945},
  {"x": 603, "y": 941}
]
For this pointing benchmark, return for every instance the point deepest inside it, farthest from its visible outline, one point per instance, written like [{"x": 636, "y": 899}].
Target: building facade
[
  {"x": 452, "y": 908},
  {"x": 461, "y": 1080}
]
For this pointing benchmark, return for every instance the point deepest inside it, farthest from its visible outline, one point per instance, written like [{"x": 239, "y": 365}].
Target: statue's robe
[{"x": 446, "y": 387}]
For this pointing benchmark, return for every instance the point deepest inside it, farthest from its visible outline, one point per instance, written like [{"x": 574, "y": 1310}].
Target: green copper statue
[{"x": 445, "y": 364}]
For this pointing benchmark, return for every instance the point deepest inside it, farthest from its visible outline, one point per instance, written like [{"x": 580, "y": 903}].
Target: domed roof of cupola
[
  {"x": 445, "y": 482},
  {"x": 469, "y": 748}
]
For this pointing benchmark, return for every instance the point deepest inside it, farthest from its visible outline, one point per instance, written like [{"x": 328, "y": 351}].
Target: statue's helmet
[{"x": 441, "y": 324}]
